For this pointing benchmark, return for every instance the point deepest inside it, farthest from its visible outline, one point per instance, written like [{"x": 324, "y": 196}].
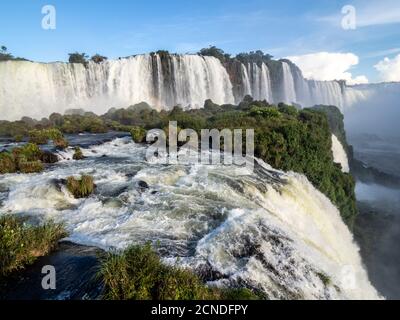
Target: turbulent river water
[{"x": 264, "y": 229}]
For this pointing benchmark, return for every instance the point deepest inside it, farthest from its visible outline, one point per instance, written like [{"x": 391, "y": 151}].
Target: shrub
[
  {"x": 7, "y": 163},
  {"x": 80, "y": 188},
  {"x": 138, "y": 134},
  {"x": 271, "y": 112},
  {"x": 38, "y": 136},
  {"x": 138, "y": 274},
  {"x": 97, "y": 58},
  {"x": 77, "y": 57},
  {"x": 30, "y": 151},
  {"x": 61, "y": 143},
  {"x": 78, "y": 155},
  {"x": 43, "y": 136},
  {"x": 18, "y": 138},
  {"x": 30, "y": 166},
  {"x": 21, "y": 243}
]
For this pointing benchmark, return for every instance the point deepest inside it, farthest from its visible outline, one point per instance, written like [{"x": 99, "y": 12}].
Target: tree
[
  {"x": 213, "y": 51},
  {"x": 97, "y": 58},
  {"x": 254, "y": 56},
  {"x": 4, "y": 55},
  {"x": 77, "y": 57}
]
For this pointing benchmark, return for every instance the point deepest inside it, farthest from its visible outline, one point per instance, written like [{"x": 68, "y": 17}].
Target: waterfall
[
  {"x": 339, "y": 154},
  {"x": 288, "y": 87},
  {"x": 246, "y": 81},
  {"x": 260, "y": 82},
  {"x": 326, "y": 92},
  {"x": 163, "y": 81},
  {"x": 39, "y": 89}
]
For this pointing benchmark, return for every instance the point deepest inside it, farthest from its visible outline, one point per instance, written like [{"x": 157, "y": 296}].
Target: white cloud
[
  {"x": 389, "y": 69},
  {"x": 329, "y": 66}
]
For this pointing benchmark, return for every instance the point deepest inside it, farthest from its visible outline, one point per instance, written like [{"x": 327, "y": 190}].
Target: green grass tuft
[
  {"x": 21, "y": 243},
  {"x": 81, "y": 188},
  {"x": 138, "y": 274}
]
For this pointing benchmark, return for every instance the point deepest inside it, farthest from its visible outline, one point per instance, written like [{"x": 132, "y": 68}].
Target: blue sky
[{"x": 283, "y": 28}]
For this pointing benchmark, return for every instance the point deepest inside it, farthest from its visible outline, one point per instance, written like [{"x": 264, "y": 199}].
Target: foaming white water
[
  {"x": 266, "y": 229},
  {"x": 289, "y": 91},
  {"x": 257, "y": 82},
  {"x": 339, "y": 154}
]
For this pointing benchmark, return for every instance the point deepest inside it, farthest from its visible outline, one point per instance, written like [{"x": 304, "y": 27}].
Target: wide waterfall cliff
[{"x": 162, "y": 80}]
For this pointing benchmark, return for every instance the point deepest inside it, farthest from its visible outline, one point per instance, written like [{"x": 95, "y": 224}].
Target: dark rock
[
  {"x": 142, "y": 185},
  {"x": 76, "y": 268},
  {"x": 48, "y": 157}
]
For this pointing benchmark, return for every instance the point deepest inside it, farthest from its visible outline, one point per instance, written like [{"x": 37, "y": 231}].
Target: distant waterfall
[
  {"x": 288, "y": 88},
  {"x": 38, "y": 89},
  {"x": 163, "y": 81},
  {"x": 258, "y": 83}
]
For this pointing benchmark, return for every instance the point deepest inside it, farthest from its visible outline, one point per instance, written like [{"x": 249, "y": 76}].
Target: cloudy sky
[{"x": 326, "y": 38}]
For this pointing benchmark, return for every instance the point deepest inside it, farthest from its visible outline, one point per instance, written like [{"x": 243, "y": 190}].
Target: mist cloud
[{"x": 389, "y": 69}]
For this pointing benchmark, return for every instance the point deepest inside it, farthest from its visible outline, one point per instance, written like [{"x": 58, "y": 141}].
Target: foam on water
[{"x": 265, "y": 229}]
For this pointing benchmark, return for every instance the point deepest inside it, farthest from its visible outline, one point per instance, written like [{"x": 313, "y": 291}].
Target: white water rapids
[{"x": 265, "y": 229}]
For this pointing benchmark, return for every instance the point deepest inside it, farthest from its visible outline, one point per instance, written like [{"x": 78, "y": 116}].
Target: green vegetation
[
  {"x": 26, "y": 159},
  {"x": 97, "y": 58},
  {"x": 7, "y": 163},
  {"x": 253, "y": 56},
  {"x": 138, "y": 274},
  {"x": 336, "y": 122},
  {"x": 80, "y": 188},
  {"x": 61, "y": 143},
  {"x": 21, "y": 243},
  {"x": 77, "y": 57},
  {"x": 138, "y": 134},
  {"x": 326, "y": 280},
  {"x": 6, "y": 56},
  {"x": 215, "y": 52},
  {"x": 18, "y": 138},
  {"x": 44, "y": 135},
  {"x": 78, "y": 155}
]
